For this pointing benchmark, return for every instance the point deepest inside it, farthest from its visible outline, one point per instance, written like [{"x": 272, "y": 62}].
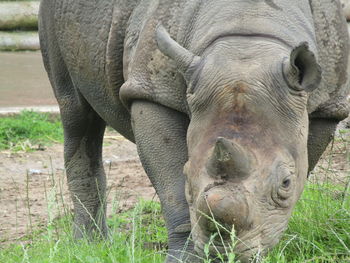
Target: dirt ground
[{"x": 32, "y": 184}]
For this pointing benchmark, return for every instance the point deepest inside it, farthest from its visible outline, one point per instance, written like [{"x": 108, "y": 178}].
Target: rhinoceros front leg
[
  {"x": 321, "y": 132},
  {"x": 83, "y": 135},
  {"x": 160, "y": 135}
]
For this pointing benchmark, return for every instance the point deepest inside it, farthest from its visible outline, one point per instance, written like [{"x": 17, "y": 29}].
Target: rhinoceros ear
[
  {"x": 301, "y": 71},
  {"x": 185, "y": 59}
]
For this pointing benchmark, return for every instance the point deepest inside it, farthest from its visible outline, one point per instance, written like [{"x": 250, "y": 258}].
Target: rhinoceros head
[{"x": 247, "y": 138}]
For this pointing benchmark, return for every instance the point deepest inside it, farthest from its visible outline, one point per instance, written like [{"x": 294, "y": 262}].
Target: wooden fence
[{"x": 19, "y": 25}]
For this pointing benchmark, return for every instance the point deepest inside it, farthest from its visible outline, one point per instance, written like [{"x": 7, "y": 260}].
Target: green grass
[
  {"x": 134, "y": 235},
  {"x": 29, "y": 131},
  {"x": 319, "y": 231}
]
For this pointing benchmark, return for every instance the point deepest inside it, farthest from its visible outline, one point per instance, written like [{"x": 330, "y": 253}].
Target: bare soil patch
[{"x": 29, "y": 182}]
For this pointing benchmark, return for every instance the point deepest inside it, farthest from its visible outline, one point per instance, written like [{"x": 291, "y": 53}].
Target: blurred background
[{"x": 23, "y": 80}]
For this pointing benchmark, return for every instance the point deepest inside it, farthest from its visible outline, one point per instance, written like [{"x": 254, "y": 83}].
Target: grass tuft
[
  {"x": 319, "y": 229},
  {"x": 137, "y": 235},
  {"x": 29, "y": 131}
]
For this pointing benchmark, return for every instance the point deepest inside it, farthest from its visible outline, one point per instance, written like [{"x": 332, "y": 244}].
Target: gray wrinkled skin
[{"x": 230, "y": 103}]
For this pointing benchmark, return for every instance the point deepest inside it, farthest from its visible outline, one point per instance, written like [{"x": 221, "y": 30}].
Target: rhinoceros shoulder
[
  {"x": 329, "y": 100},
  {"x": 148, "y": 73}
]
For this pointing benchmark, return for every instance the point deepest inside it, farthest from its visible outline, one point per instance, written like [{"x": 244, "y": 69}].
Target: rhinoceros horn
[
  {"x": 184, "y": 58},
  {"x": 229, "y": 159}
]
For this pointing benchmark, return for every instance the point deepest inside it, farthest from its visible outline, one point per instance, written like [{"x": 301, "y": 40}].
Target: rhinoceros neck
[{"x": 205, "y": 21}]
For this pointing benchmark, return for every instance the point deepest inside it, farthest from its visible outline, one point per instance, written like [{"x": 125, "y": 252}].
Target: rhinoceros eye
[
  {"x": 284, "y": 186},
  {"x": 284, "y": 191},
  {"x": 286, "y": 183}
]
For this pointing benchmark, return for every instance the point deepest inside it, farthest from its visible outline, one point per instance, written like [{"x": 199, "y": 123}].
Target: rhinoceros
[{"x": 230, "y": 103}]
